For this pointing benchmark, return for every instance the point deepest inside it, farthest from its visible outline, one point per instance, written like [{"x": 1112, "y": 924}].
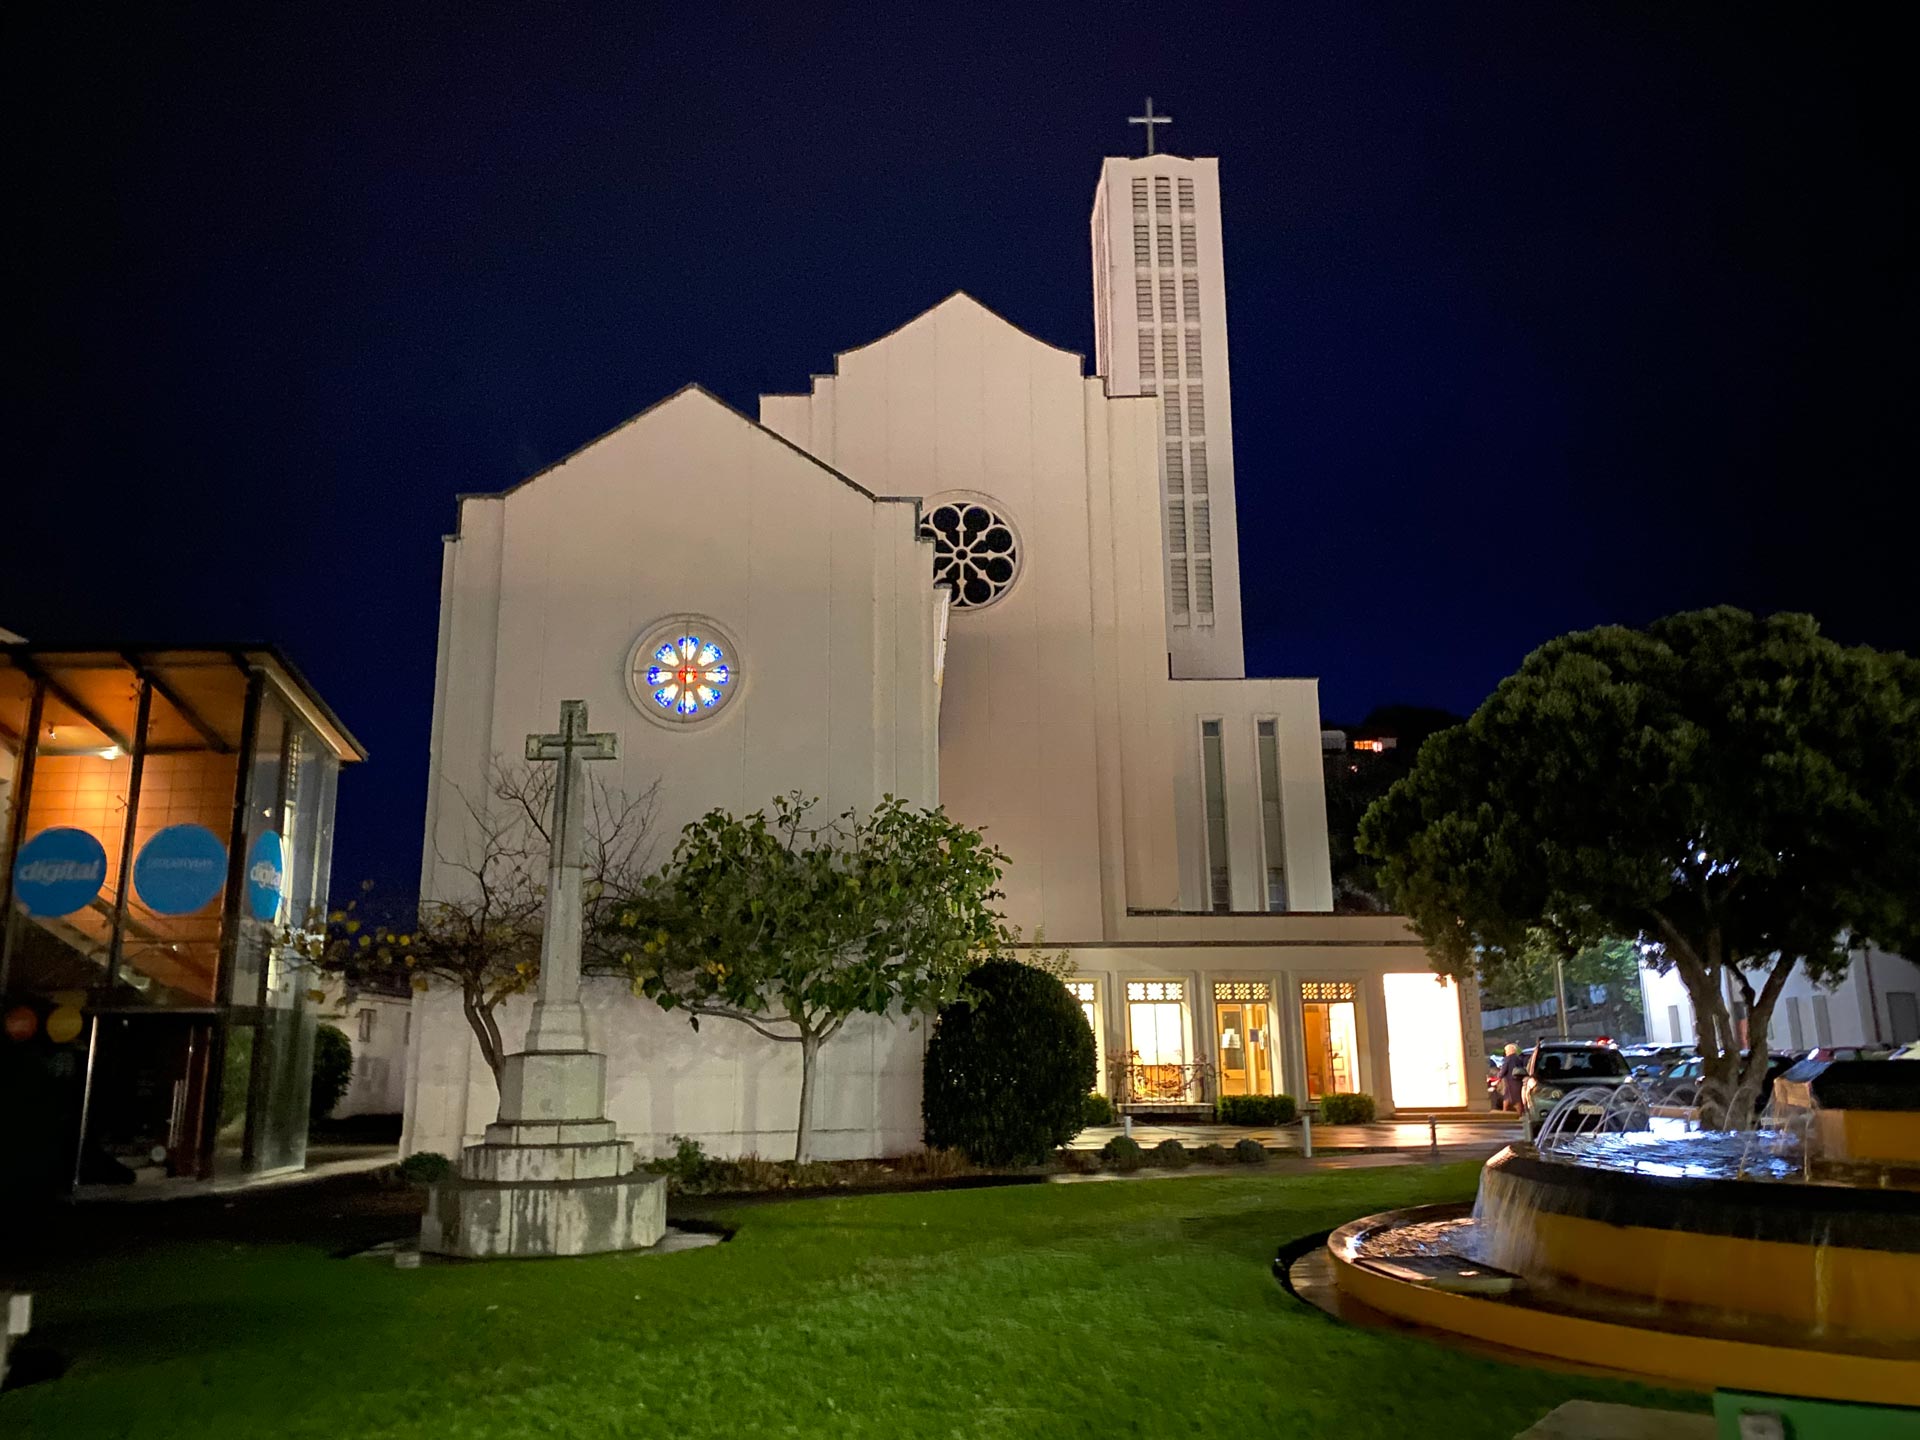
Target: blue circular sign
[
  {"x": 266, "y": 876},
  {"x": 180, "y": 870},
  {"x": 59, "y": 871}
]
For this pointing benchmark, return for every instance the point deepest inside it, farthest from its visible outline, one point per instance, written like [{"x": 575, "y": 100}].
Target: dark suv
[{"x": 1558, "y": 1066}]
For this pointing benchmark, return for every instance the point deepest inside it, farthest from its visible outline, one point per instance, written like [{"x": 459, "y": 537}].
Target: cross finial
[{"x": 1149, "y": 120}]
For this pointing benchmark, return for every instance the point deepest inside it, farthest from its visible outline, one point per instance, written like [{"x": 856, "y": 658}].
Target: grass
[{"x": 1141, "y": 1308}]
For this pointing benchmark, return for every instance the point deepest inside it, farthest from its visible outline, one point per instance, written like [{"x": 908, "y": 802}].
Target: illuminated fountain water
[{"x": 1782, "y": 1257}]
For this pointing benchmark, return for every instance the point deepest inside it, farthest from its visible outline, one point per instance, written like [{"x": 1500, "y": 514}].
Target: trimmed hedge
[
  {"x": 1256, "y": 1110},
  {"x": 1346, "y": 1110},
  {"x": 1213, "y": 1153},
  {"x": 1170, "y": 1153},
  {"x": 332, "y": 1071},
  {"x": 1123, "y": 1152},
  {"x": 1009, "y": 1067},
  {"x": 1096, "y": 1109},
  {"x": 1250, "y": 1152}
]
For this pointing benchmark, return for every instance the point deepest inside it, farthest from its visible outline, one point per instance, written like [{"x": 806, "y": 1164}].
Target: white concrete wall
[
  {"x": 1850, "y": 1006},
  {"x": 689, "y": 507},
  {"x": 732, "y": 1090},
  {"x": 379, "y": 1083}
]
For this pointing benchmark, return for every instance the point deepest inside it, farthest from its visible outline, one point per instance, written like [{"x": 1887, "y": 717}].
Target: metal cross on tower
[
  {"x": 1149, "y": 120},
  {"x": 558, "y": 1021}
]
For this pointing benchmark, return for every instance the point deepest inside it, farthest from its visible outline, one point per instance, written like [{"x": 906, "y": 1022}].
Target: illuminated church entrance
[
  {"x": 1246, "y": 1042},
  {"x": 1333, "y": 1047}
]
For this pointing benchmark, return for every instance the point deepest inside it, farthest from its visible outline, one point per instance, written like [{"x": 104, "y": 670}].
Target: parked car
[
  {"x": 1679, "y": 1084},
  {"x": 1557, "y": 1066},
  {"x": 1850, "y": 1052},
  {"x": 1649, "y": 1061}
]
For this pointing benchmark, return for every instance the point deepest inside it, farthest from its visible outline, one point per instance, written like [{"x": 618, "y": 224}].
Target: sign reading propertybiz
[{"x": 180, "y": 870}]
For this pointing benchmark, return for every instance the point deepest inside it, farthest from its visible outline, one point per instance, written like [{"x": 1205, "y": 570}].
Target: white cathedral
[{"x": 959, "y": 570}]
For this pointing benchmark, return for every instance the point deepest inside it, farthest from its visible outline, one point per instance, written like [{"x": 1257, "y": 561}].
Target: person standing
[{"x": 1512, "y": 1068}]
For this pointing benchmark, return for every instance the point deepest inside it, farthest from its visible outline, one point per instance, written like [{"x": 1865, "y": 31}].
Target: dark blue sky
[{"x": 1542, "y": 315}]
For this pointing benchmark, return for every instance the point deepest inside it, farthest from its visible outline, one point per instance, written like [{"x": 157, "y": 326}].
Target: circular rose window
[
  {"x": 683, "y": 670},
  {"x": 975, "y": 549}
]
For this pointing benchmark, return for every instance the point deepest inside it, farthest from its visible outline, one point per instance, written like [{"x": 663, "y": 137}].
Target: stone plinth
[{"x": 532, "y": 1218}]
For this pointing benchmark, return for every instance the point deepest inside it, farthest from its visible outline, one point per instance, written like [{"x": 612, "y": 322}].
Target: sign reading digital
[
  {"x": 180, "y": 870},
  {"x": 59, "y": 871},
  {"x": 266, "y": 876}
]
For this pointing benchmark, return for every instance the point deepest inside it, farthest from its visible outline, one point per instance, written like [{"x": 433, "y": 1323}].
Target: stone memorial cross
[{"x": 559, "y": 1022}]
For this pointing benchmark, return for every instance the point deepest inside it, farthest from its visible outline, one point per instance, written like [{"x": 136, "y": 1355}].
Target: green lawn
[{"x": 1143, "y": 1308}]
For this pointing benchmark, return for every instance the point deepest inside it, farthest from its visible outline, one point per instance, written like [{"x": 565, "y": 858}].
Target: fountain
[{"x": 1782, "y": 1258}]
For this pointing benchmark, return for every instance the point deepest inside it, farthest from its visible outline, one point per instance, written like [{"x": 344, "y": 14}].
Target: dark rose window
[{"x": 975, "y": 549}]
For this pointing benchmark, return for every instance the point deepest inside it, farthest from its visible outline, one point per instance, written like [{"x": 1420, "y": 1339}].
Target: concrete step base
[{"x": 488, "y": 1220}]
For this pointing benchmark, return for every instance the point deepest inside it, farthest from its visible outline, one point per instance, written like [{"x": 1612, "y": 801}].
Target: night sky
[{"x": 1542, "y": 315}]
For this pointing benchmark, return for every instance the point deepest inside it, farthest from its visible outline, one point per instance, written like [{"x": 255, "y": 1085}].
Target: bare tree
[{"x": 480, "y": 931}]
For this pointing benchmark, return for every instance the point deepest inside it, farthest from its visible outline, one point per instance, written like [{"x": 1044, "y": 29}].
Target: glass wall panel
[{"x": 1423, "y": 1041}]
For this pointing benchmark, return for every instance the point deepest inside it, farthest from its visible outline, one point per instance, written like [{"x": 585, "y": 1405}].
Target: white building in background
[
  {"x": 378, "y": 1027},
  {"x": 950, "y": 570},
  {"x": 1876, "y": 1003}
]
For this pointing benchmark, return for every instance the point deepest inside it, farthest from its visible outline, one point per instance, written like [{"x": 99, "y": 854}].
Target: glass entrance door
[
  {"x": 1246, "y": 1057},
  {"x": 1327, "y": 1022}
]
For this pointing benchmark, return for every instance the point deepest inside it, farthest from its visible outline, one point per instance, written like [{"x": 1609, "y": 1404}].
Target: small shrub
[
  {"x": 1250, "y": 1152},
  {"x": 1214, "y": 1153},
  {"x": 1171, "y": 1154},
  {"x": 689, "y": 1169},
  {"x": 1256, "y": 1110},
  {"x": 1346, "y": 1110},
  {"x": 1008, "y": 1067},
  {"x": 1078, "y": 1162},
  {"x": 425, "y": 1167},
  {"x": 332, "y": 1071},
  {"x": 933, "y": 1163},
  {"x": 1123, "y": 1152},
  {"x": 1096, "y": 1109}
]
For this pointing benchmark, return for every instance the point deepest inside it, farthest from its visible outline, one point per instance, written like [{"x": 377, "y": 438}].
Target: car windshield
[{"x": 1582, "y": 1064}]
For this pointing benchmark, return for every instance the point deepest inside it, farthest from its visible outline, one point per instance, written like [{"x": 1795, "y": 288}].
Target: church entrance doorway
[
  {"x": 1241, "y": 1010},
  {"x": 1327, "y": 1022}
]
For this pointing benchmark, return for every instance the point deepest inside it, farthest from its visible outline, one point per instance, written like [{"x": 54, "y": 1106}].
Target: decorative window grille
[
  {"x": 1267, "y": 737},
  {"x": 1196, "y": 409},
  {"x": 1081, "y": 990},
  {"x": 1203, "y": 586},
  {"x": 1197, "y": 466},
  {"x": 1242, "y": 992},
  {"x": 1202, "y": 529},
  {"x": 1177, "y": 526},
  {"x": 974, "y": 550},
  {"x": 1330, "y": 991},
  {"x": 1143, "y": 297},
  {"x": 1213, "y": 781},
  {"x": 1144, "y": 990},
  {"x": 1189, "y": 246},
  {"x": 1176, "y": 475}
]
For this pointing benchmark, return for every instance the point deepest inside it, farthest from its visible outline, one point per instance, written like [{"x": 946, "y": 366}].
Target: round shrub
[
  {"x": 1213, "y": 1153},
  {"x": 1346, "y": 1110},
  {"x": 1172, "y": 1154},
  {"x": 425, "y": 1167},
  {"x": 1096, "y": 1109},
  {"x": 1256, "y": 1110},
  {"x": 1250, "y": 1152},
  {"x": 1009, "y": 1067},
  {"x": 1078, "y": 1162},
  {"x": 332, "y": 1070},
  {"x": 1123, "y": 1152}
]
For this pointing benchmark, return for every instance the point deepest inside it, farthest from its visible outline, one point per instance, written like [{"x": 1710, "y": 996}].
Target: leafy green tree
[
  {"x": 1524, "y": 974},
  {"x": 791, "y": 927},
  {"x": 332, "y": 1071},
  {"x": 1739, "y": 794}
]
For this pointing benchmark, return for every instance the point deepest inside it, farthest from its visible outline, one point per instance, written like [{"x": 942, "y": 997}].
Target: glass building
[{"x": 166, "y": 815}]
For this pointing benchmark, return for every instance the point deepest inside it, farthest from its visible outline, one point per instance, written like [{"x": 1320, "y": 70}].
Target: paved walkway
[
  {"x": 1477, "y": 1134},
  {"x": 324, "y": 1162}
]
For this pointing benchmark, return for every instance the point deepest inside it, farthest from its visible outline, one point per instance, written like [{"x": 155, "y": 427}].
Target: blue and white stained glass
[{"x": 688, "y": 675}]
